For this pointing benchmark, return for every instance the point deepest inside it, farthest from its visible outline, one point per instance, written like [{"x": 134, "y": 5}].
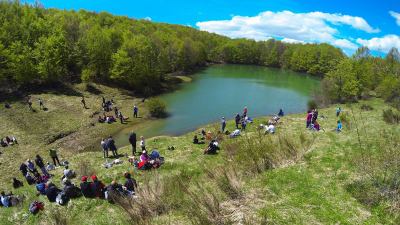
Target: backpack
[
  {"x": 35, "y": 206},
  {"x": 41, "y": 187},
  {"x": 62, "y": 198}
]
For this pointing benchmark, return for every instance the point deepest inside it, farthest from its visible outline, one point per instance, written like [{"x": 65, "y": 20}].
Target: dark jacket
[
  {"x": 24, "y": 169},
  {"x": 132, "y": 138},
  {"x": 52, "y": 192},
  {"x": 130, "y": 184},
  {"x": 111, "y": 144},
  {"x": 98, "y": 189},
  {"x": 39, "y": 162},
  {"x": 87, "y": 190}
]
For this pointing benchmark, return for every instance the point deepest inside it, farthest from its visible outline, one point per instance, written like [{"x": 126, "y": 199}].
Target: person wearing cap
[
  {"x": 223, "y": 124},
  {"x": 86, "y": 187},
  {"x": 97, "y": 187}
]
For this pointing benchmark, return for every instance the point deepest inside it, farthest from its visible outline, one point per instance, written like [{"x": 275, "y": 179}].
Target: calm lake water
[{"x": 224, "y": 90}]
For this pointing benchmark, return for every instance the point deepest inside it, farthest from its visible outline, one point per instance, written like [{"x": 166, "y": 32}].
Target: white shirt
[{"x": 142, "y": 143}]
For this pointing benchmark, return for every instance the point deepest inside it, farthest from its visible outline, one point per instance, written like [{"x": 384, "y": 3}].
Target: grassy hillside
[{"x": 293, "y": 177}]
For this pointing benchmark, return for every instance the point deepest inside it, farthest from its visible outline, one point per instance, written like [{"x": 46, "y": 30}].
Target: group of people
[
  {"x": 108, "y": 107},
  {"x": 30, "y": 103},
  {"x": 7, "y": 141},
  {"x": 311, "y": 120},
  {"x": 108, "y": 144}
]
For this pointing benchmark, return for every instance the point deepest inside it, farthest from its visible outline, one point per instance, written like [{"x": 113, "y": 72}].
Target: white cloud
[
  {"x": 344, "y": 43},
  {"x": 148, "y": 18},
  {"x": 382, "y": 44},
  {"x": 290, "y": 27},
  {"x": 396, "y": 16},
  {"x": 289, "y": 40}
]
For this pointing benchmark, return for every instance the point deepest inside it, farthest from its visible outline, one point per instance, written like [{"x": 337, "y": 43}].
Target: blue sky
[{"x": 347, "y": 24}]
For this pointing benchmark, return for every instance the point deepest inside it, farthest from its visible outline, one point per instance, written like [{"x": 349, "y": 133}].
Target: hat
[
  {"x": 144, "y": 152},
  {"x": 94, "y": 177},
  {"x": 84, "y": 178}
]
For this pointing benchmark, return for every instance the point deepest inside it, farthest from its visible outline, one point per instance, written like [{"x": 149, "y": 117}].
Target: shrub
[
  {"x": 157, "y": 108},
  {"x": 391, "y": 117}
]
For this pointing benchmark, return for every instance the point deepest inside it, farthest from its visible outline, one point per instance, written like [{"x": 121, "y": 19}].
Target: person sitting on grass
[
  {"x": 101, "y": 119},
  {"x": 97, "y": 187},
  {"x": 270, "y": 129},
  {"x": 52, "y": 191},
  {"x": 195, "y": 140},
  {"x": 71, "y": 190},
  {"x": 235, "y": 133},
  {"x": 24, "y": 169},
  {"x": 113, "y": 191},
  {"x": 68, "y": 173},
  {"x": 50, "y": 167},
  {"x": 144, "y": 156},
  {"x": 212, "y": 147},
  {"x": 17, "y": 183},
  {"x": 41, "y": 188},
  {"x": 130, "y": 183},
  {"x": 31, "y": 166},
  {"x": 86, "y": 187},
  {"x": 5, "y": 199},
  {"x": 281, "y": 113},
  {"x": 3, "y": 143},
  {"x": 40, "y": 164},
  {"x": 339, "y": 126}
]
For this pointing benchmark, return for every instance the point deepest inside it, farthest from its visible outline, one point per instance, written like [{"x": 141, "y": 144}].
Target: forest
[{"x": 44, "y": 46}]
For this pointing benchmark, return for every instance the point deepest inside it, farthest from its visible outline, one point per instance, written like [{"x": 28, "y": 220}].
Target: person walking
[
  {"x": 338, "y": 111},
  {"x": 39, "y": 163},
  {"x": 135, "y": 111},
  {"x": 104, "y": 147},
  {"x": 132, "y": 141},
  {"x": 223, "y": 124},
  {"x": 54, "y": 156},
  {"x": 112, "y": 147}
]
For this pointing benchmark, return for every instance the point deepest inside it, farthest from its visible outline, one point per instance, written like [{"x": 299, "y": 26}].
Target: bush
[
  {"x": 391, "y": 117},
  {"x": 157, "y": 108}
]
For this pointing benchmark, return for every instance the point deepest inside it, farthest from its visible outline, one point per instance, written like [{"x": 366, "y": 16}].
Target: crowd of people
[{"x": 37, "y": 173}]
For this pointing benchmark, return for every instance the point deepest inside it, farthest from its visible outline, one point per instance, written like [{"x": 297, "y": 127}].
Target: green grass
[{"x": 311, "y": 190}]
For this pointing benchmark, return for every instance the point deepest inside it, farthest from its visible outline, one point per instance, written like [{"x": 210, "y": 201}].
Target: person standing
[
  {"x": 132, "y": 141},
  {"x": 83, "y": 102},
  {"x": 338, "y": 111},
  {"x": 111, "y": 146},
  {"x": 142, "y": 143},
  {"x": 116, "y": 112},
  {"x": 135, "y": 111},
  {"x": 223, "y": 124},
  {"x": 41, "y": 105},
  {"x": 54, "y": 156},
  {"x": 121, "y": 117},
  {"x": 104, "y": 146},
  {"x": 39, "y": 163},
  {"x": 244, "y": 112},
  {"x": 244, "y": 123},
  {"x": 237, "y": 120},
  {"x": 314, "y": 116},
  {"x": 30, "y": 103}
]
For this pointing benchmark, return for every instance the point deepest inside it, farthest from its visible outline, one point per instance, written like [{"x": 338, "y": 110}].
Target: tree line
[{"x": 43, "y": 46}]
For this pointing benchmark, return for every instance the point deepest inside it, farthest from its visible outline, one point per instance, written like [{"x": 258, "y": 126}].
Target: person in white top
[
  {"x": 270, "y": 129},
  {"x": 142, "y": 143}
]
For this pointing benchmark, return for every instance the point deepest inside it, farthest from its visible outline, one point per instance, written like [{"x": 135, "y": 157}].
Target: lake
[{"x": 224, "y": 90}]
